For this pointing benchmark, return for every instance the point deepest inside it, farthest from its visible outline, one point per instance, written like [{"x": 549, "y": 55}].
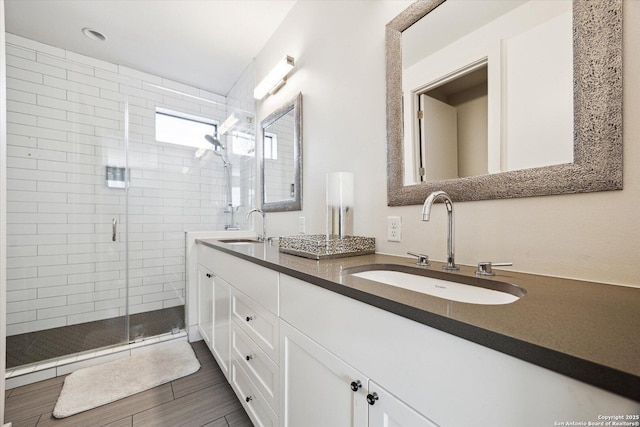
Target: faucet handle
[
  {"x": 485, "y": 267},
  {"x": 423, "y": 260},
  {"x": 271, "y": 240}
]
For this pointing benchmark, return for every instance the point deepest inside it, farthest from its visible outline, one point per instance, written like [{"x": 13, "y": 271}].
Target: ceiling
[{"x": 202, "y": 43}]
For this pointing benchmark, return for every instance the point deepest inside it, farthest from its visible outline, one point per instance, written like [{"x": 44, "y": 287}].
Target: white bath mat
[{"x": 98, "y": 385}]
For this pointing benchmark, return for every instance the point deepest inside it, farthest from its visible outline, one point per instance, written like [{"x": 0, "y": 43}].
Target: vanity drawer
[
  {"x": 206, "y": 256},
  {"x": 257, "y": 282},
  {"x": 254, "y": 403},
  {"x": 258, "y": 323},
  {"x": 262, "y": 371}
]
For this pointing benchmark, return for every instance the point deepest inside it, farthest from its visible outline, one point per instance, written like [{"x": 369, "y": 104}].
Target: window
[
  {"x": 270, "y": 146},
  {"x": 242, "y": 143},
  {"x": 183, "y": 129}
]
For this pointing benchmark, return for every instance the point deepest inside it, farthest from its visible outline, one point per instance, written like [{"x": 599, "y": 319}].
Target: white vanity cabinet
[
  {"x": 251, "y": 328},
  {"x": 319, "y": 389},
  {"x": 386, "y": 410},
  {"x": 254, "y": 358},
  {"x": 205, "y": 305},
  {"x": 221, "y": 315},
  {"x": 260, "y": 325},
  {"x": 214, "y": 311},
  {"x": 429, "y": 374},
  {"x": 295, "y": 351},
  {"x": 257, "y": 407}
]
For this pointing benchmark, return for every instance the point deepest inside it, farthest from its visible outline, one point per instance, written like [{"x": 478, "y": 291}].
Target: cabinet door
[
  {"x": 389, "y": 411},
  {"x": 205, "y": 304},
  {"x": 221, "y": 346},
  {"x": 316, "y": 389}
]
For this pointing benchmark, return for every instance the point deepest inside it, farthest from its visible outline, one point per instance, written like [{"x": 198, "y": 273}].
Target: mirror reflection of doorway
[{"x": 452, "y": 127}]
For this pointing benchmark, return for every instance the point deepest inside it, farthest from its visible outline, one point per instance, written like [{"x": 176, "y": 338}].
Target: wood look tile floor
[{"x": 200, "y": 399}]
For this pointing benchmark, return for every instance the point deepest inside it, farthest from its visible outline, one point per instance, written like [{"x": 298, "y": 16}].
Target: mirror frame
[
  {"x": 294, "y": 204},
  {"x": 597, "y": 110}
]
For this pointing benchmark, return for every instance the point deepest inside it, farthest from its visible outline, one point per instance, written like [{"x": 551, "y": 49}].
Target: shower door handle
[{"x": 114, "y": 229}]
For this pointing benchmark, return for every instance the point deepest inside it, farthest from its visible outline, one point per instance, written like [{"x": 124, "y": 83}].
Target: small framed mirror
[{"x": 281, "y": 158}]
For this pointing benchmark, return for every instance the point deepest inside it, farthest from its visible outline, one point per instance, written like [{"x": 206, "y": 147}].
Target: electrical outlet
[
  {"x": 394, "y": 228},
  {"x": 301, "y": 226}
]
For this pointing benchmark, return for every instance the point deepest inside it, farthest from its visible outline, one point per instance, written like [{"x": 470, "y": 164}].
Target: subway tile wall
[
  {"x": 65, "y": 124},
  {"x": 279, "y": 173},
  {"x": 243, "y": 140}
]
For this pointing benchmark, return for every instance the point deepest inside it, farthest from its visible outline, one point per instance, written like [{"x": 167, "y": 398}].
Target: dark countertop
[{"x": 587, "y": 331}]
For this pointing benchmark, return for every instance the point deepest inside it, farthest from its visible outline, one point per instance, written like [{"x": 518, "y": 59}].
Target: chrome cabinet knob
[
  {"x": 372, "y": 397},
  {"x": 356, "y": 385}
]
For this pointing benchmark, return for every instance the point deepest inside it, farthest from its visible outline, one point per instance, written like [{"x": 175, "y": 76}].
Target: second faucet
[{"x": 426, "y": 213}]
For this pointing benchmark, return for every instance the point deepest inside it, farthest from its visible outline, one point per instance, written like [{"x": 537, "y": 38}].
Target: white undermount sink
[{"x": 475, "y": 291}]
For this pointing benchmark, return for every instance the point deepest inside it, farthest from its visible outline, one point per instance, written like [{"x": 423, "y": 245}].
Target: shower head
[
  {"x": 214, "y": 141},
  {"x": 218, "y": 148}
]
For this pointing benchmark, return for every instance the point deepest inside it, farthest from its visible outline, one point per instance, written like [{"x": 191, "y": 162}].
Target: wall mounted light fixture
[{"x": 275, "y": 79}]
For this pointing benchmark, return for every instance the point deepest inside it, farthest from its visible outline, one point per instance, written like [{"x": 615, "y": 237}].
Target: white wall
[
  {"x": 339, "y": 51},
  {"x": 65, "y": 124}
]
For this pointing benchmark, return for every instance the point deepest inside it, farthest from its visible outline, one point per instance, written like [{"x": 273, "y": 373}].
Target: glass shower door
[
  {"x": 66, "y": 248},
  {"x": 186, "y": 154},
  {"x": 164, "y": 201}
]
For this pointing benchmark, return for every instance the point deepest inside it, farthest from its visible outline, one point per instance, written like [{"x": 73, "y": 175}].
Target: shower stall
[{"x": 100, "y": 193}]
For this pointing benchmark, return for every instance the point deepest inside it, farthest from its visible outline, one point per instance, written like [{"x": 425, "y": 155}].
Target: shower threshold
[{"x": 35, "y": 372}]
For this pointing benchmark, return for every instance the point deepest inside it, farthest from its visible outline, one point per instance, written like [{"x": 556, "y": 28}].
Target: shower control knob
[
  {"x": 372, "y": 397},
  {"x": 355, "y": 385},
  {"x": 250, "y": 318},
  {"x": 248, "y": 399}
]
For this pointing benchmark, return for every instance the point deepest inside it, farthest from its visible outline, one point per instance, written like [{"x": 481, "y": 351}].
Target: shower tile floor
[{"x": 32, "y": 347}]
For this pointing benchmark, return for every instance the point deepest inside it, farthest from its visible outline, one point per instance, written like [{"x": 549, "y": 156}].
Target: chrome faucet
[
  {"x": 262, "y": 238},
  {"x": 426, "y": 212}
]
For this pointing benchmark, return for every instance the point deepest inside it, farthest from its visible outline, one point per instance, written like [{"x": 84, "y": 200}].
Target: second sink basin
[{"x": 454, "y": 287}]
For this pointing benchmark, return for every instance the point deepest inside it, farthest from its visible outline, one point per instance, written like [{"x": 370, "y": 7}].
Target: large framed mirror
[
  {"x": 429, "y": 64},
  {"x": 281, "y": 158}
]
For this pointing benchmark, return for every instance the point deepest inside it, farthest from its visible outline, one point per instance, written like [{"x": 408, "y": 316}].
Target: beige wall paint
[{"x": 339, "y": 52}]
